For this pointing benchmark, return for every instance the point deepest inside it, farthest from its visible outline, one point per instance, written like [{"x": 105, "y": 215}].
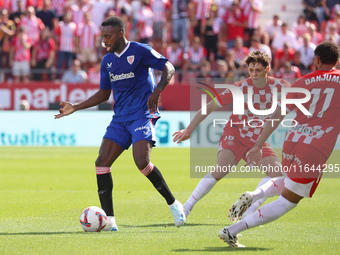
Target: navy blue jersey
[{"x": 131, "y": 78}]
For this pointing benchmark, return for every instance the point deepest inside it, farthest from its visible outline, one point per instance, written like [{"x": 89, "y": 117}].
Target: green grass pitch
[{"x": 44, "y": 190}]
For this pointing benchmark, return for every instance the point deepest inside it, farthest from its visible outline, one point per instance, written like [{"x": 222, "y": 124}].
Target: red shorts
[
  {"x": 303, "y": 165},
  {"x": 231, "y": 140}
]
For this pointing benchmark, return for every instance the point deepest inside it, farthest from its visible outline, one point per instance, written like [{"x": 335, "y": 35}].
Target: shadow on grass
[
  {"x": 169, "y": 225},
  {"x": 223, "y": 249},
  {"x": 44, "y": 233}
]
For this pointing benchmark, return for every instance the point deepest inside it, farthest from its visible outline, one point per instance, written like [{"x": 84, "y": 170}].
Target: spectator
[
  {"x": 180, "y": 22},
  {"x": 239, "y": 51},
  {"x": 20, "y": 56},
  {"x": 7, "y": 30},
  {"x": 196, "y": 55},
  {"x": 282, "y": 56},
  {"x": 316, "y": 37},
  {"x": 251, "y": 10},
  {"x": 211, "y": 28},
  {"x": 332, "y": 34},
  {"x": 43, "y": 55},
  {"x": 297, "y": 62},
  {"x": 88, "y": 38},
  {"x": 145, "y": 22},
  {"x": 274, "y": 27},
  {"x": 288, "y": 72},
  {"x": 98, "y": 10},
  {"x": 78, "y": 8},
  {"x": 307, "y": 51},
  {"x": 75, "y": 74},
  {"x": 263, "y": 35},
  {"x": 202, "y": 9},
  {"x": 230, "y": 59},
  {"x": 300, "y": 27},
  {"x": 256, "y": 45},
  {"x": 205, "y": 72},
  {"x": 19, "y": 13},
  {"x": 174, "y": 53},
  {"x": 48, "y": 16},
  {"x": 313, "y": 10},
  {"x": 235, "y": 22},
  {"x": 161, "y": 11},
  {"x": 283, "y": 36},
  {"x": 32, "y": 24},
  {"x": 66, "y": 33},
  {"x": 223, "y": 73},
  {"x": 334, "y": 22}
]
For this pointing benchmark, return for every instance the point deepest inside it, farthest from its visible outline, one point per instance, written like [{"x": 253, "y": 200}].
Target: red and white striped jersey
[
  {"x": 145, "y": 21},
  {"x": 158, "y": 8},
  {"x": 250, "y": 14},
  {"x": 321, "y": 129},
  {"x": 202, "y": 9},
  {"x": 196, "y": 57},
  {"x": 20, "y": 52},
  {"x": 262, "y": 100},
  {"x": 174, "y": 56},
  {"x": 67, "y": 33},
  {"x": 78, "y": 13},
  {"x": 87, "y": 34},
  {"x": 6, "y": 4},
  {"x": 32, "y": 26}
]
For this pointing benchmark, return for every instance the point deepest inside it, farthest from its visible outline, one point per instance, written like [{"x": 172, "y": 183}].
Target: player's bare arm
[
  {"x": 255, "y": 154},
  {"x": 185, "y": 134},
  {"x": 68, "y": 108},
  {"x": 168, "y": 72}
]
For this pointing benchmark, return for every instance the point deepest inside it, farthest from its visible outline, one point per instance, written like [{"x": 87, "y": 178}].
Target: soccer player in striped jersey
[
  {"x": 306, "y": 148},
  {"x": 127, "y": 71},
  {"x": 237, "y": 138}
]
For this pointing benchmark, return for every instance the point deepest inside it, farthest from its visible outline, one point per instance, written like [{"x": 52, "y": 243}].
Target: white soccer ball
[{"x": 93, "y": 219}]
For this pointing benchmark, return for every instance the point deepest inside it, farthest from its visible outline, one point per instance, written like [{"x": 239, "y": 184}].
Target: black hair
[
  {"x": 328, "y": 52},
  {"x": 114, "y": 21}
]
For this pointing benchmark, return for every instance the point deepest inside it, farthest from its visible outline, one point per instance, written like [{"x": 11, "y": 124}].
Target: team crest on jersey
[{"x": 130, "y": 59}]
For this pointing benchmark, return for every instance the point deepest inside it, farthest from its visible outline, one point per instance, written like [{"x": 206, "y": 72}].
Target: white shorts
[
  {"x": 301, "y": 189},
  {"x": 21, "y": 68}
]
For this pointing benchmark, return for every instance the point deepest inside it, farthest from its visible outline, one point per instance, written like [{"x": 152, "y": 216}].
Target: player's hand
[
  {"x": 253, "y": 156},
  {"x": 181, "y": 135},
  {"x": 66, "y": 109},
  {"x": 153, "y": 100}
]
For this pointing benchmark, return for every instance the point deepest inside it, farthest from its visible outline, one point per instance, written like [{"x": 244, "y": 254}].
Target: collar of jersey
[{"x": 127, "y": 46}]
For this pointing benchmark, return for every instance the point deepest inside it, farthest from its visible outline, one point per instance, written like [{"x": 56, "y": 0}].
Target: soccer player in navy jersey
[{"x": 127, "y": 71}]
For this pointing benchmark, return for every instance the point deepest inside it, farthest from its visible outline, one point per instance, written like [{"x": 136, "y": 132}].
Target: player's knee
[
  {"x": 101, "y": 161},
  {"x": 141, "y": 163}
]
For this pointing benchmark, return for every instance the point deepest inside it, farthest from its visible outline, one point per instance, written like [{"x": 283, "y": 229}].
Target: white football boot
[
  {"x": 177, "y": 212},
  {"x": 230, "y": 239},
  {"x": 240, "y": 206},
  {"x": 111, "y": 224}
]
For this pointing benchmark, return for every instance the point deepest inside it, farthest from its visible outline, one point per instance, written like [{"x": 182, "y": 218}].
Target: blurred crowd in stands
[{"x": 59, "y": 40}]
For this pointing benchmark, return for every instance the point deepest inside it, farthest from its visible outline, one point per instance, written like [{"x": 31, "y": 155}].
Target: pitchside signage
[{"x": 39, "y": 128}]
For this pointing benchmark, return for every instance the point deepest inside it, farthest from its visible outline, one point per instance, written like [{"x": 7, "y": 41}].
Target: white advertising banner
[{"x": 86, "y": 128}]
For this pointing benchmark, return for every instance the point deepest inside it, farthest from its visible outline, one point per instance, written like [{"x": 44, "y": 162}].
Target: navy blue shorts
[{"x": 129, "y": 132}]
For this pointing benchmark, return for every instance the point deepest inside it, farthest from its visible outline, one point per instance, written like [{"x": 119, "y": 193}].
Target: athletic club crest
[{"x": 130, "y": 59}]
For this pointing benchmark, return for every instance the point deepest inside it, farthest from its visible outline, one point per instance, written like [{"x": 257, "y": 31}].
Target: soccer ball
[{"x": 93, "y": 219}]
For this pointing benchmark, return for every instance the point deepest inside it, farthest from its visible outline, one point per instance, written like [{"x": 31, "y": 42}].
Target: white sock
[
  {"x": 258, "y": 200},
  {"x": 266, "y": 214},
  {"x": 202, "y": 188},
  {"x": 274, "y": 187}
]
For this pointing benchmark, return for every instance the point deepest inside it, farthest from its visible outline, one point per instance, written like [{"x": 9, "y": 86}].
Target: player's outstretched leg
[
  {"x": 202, "y": 188},
  {"x": 273, "y": 187},
  {"x": 265, "y": 214}
]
